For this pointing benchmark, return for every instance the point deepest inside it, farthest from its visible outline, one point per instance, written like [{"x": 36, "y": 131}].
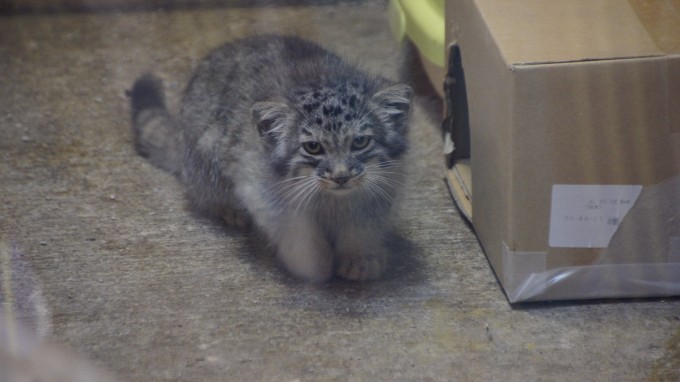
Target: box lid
[{"x": 539, "y": 31}]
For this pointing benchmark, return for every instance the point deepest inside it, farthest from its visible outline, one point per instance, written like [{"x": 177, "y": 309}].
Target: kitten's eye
[
  {"x": 361, "y": 142},
  {"x": 313, "y": 148}
]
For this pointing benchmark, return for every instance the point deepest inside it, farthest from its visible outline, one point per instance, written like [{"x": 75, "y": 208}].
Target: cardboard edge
[{"x": 584, "y": 60}]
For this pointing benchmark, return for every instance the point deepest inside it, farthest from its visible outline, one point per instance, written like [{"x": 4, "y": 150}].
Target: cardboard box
[{"x": 565, "y": 116}]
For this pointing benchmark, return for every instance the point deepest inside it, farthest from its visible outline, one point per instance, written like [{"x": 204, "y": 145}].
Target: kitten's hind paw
[{"x": 363, "y": 268}]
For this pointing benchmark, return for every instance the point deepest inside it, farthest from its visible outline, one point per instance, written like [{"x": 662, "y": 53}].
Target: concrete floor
[{"x": 100, "y": 254}]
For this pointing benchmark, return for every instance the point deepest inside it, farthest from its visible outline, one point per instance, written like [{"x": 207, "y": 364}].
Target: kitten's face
[
  {"x": 337, "y": 140},
  {"x": 337, "y": 159}
]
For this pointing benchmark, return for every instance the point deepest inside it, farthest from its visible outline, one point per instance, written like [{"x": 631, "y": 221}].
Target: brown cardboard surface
[
  {"x": 529, "y": 31},
  {"x": 593, "y": 123},
  {"x": 661, "y": 19},
  {"x": 570, "y": 93}
]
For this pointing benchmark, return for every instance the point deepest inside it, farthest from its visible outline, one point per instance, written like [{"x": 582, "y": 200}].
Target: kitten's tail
[{"x": 156, "y": 136}]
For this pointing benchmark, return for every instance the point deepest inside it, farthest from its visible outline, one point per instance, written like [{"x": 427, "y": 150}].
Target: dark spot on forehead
[
  {"x": 309, "y": 107},
  {"x": 351, "y": 116},
  {"x": 353, "y": 101},
  {"x": 332, "y": 125},
  {"x": 331, "y": 108}
]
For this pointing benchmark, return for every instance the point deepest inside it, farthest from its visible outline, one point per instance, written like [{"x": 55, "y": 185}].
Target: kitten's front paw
[
  {"x": 304, "y": 250},
  {"x": 311, "y": 266},
  {"x": 362, "y": 268}
]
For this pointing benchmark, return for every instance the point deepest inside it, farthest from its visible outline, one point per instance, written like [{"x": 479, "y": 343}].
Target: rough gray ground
[{"x": 107, "y": 260}]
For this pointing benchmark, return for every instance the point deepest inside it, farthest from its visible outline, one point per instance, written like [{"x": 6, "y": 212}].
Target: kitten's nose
[
  {"x": 340, "y": 180},
  {"x": 341, "y": 174}
]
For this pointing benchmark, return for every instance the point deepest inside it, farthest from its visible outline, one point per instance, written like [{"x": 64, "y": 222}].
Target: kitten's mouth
[{"x": 339, "y": 188}]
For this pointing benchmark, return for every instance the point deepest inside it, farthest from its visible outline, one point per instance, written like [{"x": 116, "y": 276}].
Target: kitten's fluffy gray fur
[{"x": 281, "y": 133}]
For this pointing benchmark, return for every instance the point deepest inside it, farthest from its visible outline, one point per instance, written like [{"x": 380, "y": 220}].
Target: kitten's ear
[
  {"x": 270, "y": 118},
  {"x": 393, "y": 104}
]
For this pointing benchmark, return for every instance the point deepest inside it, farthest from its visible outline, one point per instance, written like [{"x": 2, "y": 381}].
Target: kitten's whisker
[
  {"x": 287, "y": 192},
  {"x": 391, "y": 161},
  {"x": 305, "y": 195},
  {"x": 386, "y": 183},
  {"x": 386, "y": 187},
  {"x": 312, "y": 190},
  {"x": 283, "y": 193},
  {"x": 286, "y": 182},
  {"x": 379, "y": 186},
  {"x": 296, "y": 192},
  {"x": 391, "y": 177},
  {"x": 376, "y": 190},
  {"x": 292, "y": 183},
  {"x": 290, "y": 192},
  {"x": 298, "y": 197},
  {"x": 384, "y": 165},
  {"x": 387, "y": 174}
]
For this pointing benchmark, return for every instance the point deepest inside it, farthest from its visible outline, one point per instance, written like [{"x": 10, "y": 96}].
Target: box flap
[
  {"x": 538, "y": 32},
  {"x": 661, "y": 18},
  {"x": 459, "y": 180}
]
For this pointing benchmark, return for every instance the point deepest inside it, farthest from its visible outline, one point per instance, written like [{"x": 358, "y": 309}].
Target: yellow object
[{"x": 423, "y": 22}]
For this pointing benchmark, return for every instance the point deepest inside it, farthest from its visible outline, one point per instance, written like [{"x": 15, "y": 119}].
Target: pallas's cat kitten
[{"x": 280, "y": 133}]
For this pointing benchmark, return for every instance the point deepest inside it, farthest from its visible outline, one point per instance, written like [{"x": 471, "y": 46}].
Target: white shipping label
[{"x": 587, "y": 216}]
